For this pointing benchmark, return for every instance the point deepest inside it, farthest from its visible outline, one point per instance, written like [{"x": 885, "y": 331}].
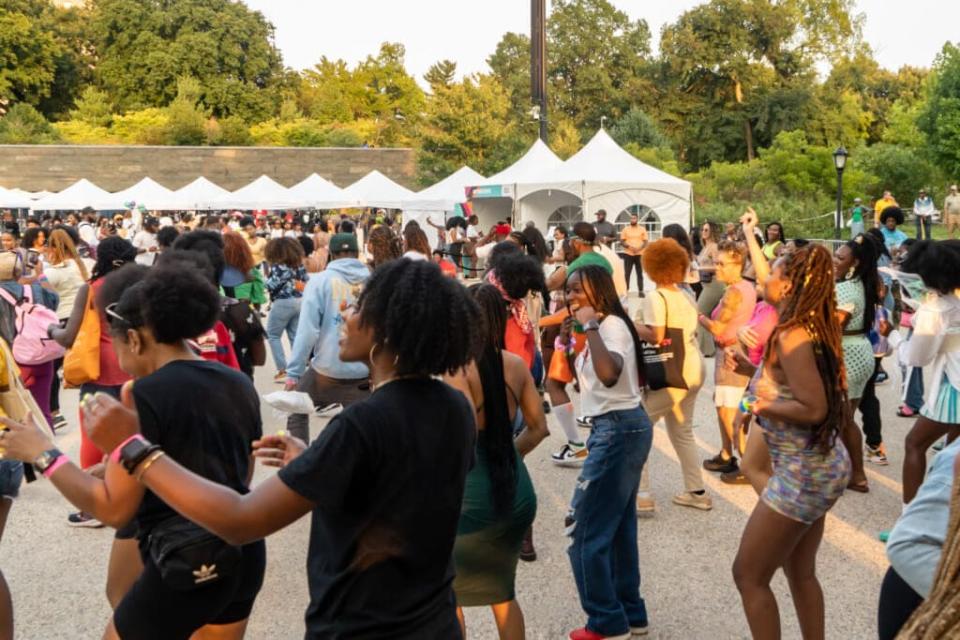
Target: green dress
[{"x": 487, "y": 547}]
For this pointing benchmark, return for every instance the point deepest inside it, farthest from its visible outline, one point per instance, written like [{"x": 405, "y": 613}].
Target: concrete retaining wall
[{"x": 115, "y": 167}]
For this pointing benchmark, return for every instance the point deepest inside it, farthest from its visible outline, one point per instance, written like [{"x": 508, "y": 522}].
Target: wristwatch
[
  {"x": 46, "y": 459},
  {"x": 592, "y": 325},
  {"x": 135, "y": 452}
]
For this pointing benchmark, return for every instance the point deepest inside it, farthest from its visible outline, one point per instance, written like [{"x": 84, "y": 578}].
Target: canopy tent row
[
  {"x": 378, "y": 191},
  {"x": 444, "y": 199},
  {"x": 602, "y": 175},
  {"x": 14, "y": 199}
]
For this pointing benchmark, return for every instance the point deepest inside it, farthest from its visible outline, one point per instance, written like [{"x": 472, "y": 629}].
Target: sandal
[
  {"x": 860, "y": 487},
  {"x": 906, "y": 412}
]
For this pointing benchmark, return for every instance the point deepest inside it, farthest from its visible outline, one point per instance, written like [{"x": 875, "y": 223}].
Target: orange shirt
[{"x": 634, "y": 239}]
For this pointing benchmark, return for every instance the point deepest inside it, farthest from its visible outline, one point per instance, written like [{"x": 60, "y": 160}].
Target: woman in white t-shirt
[
  {"x": 602, "y": 522},
  {"x": 667, "y": 263}
]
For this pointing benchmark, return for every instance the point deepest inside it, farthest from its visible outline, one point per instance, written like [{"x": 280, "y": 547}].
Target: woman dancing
[{"x": 801, "y": 415}]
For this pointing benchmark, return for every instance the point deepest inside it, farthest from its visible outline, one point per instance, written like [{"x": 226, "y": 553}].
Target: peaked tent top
[
  {"x": 446, "y": 194},
  {"x": 79, "y": 195},
  {"x": 316, "y": 192},
  {"x": 377, "y": 190},
  {"x": 147, "y": 192},
  {"x": 11, "y": 199},
  {"x": 262, "y": 193},
  {"x": 187, "y": 198},
  {"x": 537, "y": 160},
  {"x": 603, "y": 160}
]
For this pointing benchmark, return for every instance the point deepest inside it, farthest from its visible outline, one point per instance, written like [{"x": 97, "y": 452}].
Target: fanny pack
[{"x": 189, "y": 556}]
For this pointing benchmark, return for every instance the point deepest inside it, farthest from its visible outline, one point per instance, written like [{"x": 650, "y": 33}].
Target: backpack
[{"x": 33, "y": 345}]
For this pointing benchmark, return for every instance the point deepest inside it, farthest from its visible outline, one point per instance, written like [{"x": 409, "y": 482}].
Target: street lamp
[{"x": 840, "y": 162}]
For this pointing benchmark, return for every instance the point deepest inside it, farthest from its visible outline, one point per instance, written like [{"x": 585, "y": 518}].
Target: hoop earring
[
  {"x": 372, "y": 350},
  {"x": 850, "y": 273}
]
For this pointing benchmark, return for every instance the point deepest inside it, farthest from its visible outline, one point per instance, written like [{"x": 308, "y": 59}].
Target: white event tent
[
  {"x": 440, "y": 201},
  {"x": 495, "y": 198},
  {"x": 262, "y": 193},
  {"x": 187, "y": 198},
  {"x": 316, "y": 193},
  {"x": 147, "y": 193},
  {"x": 11, "y": 199},
  {"x": 377, "y": 191},
  {"x": 603, "y": 175},
  {"x": 79, "y": 195}
]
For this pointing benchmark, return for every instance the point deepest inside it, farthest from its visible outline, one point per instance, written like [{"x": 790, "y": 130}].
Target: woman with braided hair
[
  {"x": 801, "y": 414},
  {"x": 383, "y": 245}
]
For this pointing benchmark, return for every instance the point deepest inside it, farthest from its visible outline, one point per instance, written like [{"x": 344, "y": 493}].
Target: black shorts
[{"x": 153, "y": 611}]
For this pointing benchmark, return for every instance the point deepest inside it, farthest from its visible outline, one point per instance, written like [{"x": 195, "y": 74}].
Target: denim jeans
[
  {"x": 284, "y": 315},
  {"x": 913, "y": 393},
  {"x": 602, "y": 522},
  {"x": 924, "y": 224}
]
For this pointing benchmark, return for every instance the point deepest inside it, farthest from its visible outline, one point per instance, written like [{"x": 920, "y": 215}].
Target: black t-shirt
[
  {"x": 206, "y": 417},
  {"x": 387, "y": 477}
]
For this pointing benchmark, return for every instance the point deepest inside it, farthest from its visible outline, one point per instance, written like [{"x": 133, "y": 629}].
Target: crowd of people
[{"x": 437, "y": 368}]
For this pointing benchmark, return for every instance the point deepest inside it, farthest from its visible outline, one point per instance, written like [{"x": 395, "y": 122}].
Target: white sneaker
[
  {"x": 639, "y": 631},
  {"x": 696, "y": 501},
  {"x": 585, "y": 421},
  {"x": 328, "y": 410},
  {"x": 570, "y": 455}
]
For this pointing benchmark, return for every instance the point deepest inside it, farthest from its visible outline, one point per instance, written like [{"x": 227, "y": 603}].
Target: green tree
[
  {"x": 464, "y": 125},
  {"x": 93, "y": 108},
  {"x": 940, "y": 118},
  {"x": 901, "y": 170},
  {"x": 510, "y": 64},
  {"x": 23, "y": 124},
  {"x": 145, "y": 45},
  {"x": 596, "y": 60},
  {"x": 638, "y": 128},
  {"x": 28, "y": 57},
  {"x": 441, "y": 74}
]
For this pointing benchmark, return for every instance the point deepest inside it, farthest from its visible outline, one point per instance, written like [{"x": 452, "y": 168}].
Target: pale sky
[{"x": 900, "y": 32}]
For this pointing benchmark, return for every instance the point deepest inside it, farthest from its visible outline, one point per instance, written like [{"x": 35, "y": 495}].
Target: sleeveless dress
[
  {"x": 487, "y": 547},
  {"x": 857, "y": 350},
  {"x": 806, "y": 482}
]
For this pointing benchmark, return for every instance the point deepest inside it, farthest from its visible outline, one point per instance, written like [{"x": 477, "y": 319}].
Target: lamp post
[
  {"x": 538, "y": 61},
  {"x": 840, "y": 162}
]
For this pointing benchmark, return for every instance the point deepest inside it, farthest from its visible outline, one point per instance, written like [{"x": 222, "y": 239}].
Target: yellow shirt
[
  {"x": 882, "y": 204},
  {"x": 634, "y": 239},
  {"x": 257, "y": 245}
]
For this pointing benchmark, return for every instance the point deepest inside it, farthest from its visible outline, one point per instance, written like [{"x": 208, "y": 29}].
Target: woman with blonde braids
[{"x": 801, "y": 414}]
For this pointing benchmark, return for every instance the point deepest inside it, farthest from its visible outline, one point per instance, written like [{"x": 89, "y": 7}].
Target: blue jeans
[
  {"x": 602, "y": 522},
  {"x": 924, "y": 225},
  {"x": 284, "y": 315},
  {"x": 913, "y": 397}
]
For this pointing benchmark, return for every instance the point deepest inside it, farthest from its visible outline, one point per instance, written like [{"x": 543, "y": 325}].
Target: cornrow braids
[
  {"x": 812, "y": 305},
  {"x": 429, "y": 321}
]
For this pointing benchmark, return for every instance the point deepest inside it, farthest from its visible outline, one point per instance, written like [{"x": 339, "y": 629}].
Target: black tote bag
[{"x": 664, "y": 362}]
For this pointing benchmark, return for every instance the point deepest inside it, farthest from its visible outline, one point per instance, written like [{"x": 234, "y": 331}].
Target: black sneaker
[
  {"x": 81, "y": 519},
  {"x": 58, "y": 422},
  {"x": 527, "y": 551},
  {"x": 721, "y": 465},
  {"x": 546, "y": 407},
  {"x": 734, "y": 477}
]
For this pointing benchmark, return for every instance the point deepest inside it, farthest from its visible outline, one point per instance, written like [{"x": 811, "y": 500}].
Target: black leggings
[
  {"x": 629, "y": 264},
  {"x": 898, "y": 601},
  {"x": 55, "y": 386},
  {"x": 870, "y": 409}
]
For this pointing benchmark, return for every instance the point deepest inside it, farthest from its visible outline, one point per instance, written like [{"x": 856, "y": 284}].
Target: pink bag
[{"x": 32, "y": 345}]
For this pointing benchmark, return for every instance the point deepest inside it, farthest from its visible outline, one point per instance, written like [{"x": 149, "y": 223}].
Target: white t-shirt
[
  {"x": 146, "y": 240},
  {"x": 597, "y": 399},
  {"x": 88, "y": 233},
  {"x": 473, "y": 231},
  {"x": 415, "y": 255}
]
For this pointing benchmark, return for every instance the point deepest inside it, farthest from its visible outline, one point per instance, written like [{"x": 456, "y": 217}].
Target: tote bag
[
  {"x": 82, "y": 362},
  {"x": 664, "y": 362}
]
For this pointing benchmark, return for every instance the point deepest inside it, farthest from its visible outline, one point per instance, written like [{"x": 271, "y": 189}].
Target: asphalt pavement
[{"x": 57, "y": 573}]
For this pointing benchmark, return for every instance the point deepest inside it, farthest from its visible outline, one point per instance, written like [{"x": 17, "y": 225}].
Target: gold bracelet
[{"x": 149, "y": 461}]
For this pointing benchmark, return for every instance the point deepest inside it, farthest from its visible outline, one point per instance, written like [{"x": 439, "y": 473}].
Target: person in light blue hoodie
[
  {"x": 315, "y": 367},
  {"x": 916, "y": 544}
]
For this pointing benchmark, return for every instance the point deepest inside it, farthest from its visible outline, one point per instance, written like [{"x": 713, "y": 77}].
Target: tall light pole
[
  {"x": 538, "y": 61},
  {"x": 840, "y": 162}
]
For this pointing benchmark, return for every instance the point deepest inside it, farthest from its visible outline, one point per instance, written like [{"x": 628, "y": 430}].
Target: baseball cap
[
  {"x": 342, "y": 242},
  {"x": 857, "y": 200}
]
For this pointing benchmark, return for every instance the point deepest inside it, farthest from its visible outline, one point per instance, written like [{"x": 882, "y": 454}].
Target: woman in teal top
[
  {"x": 498, "y": 502},
  {"x": 890, "y": 218}
]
